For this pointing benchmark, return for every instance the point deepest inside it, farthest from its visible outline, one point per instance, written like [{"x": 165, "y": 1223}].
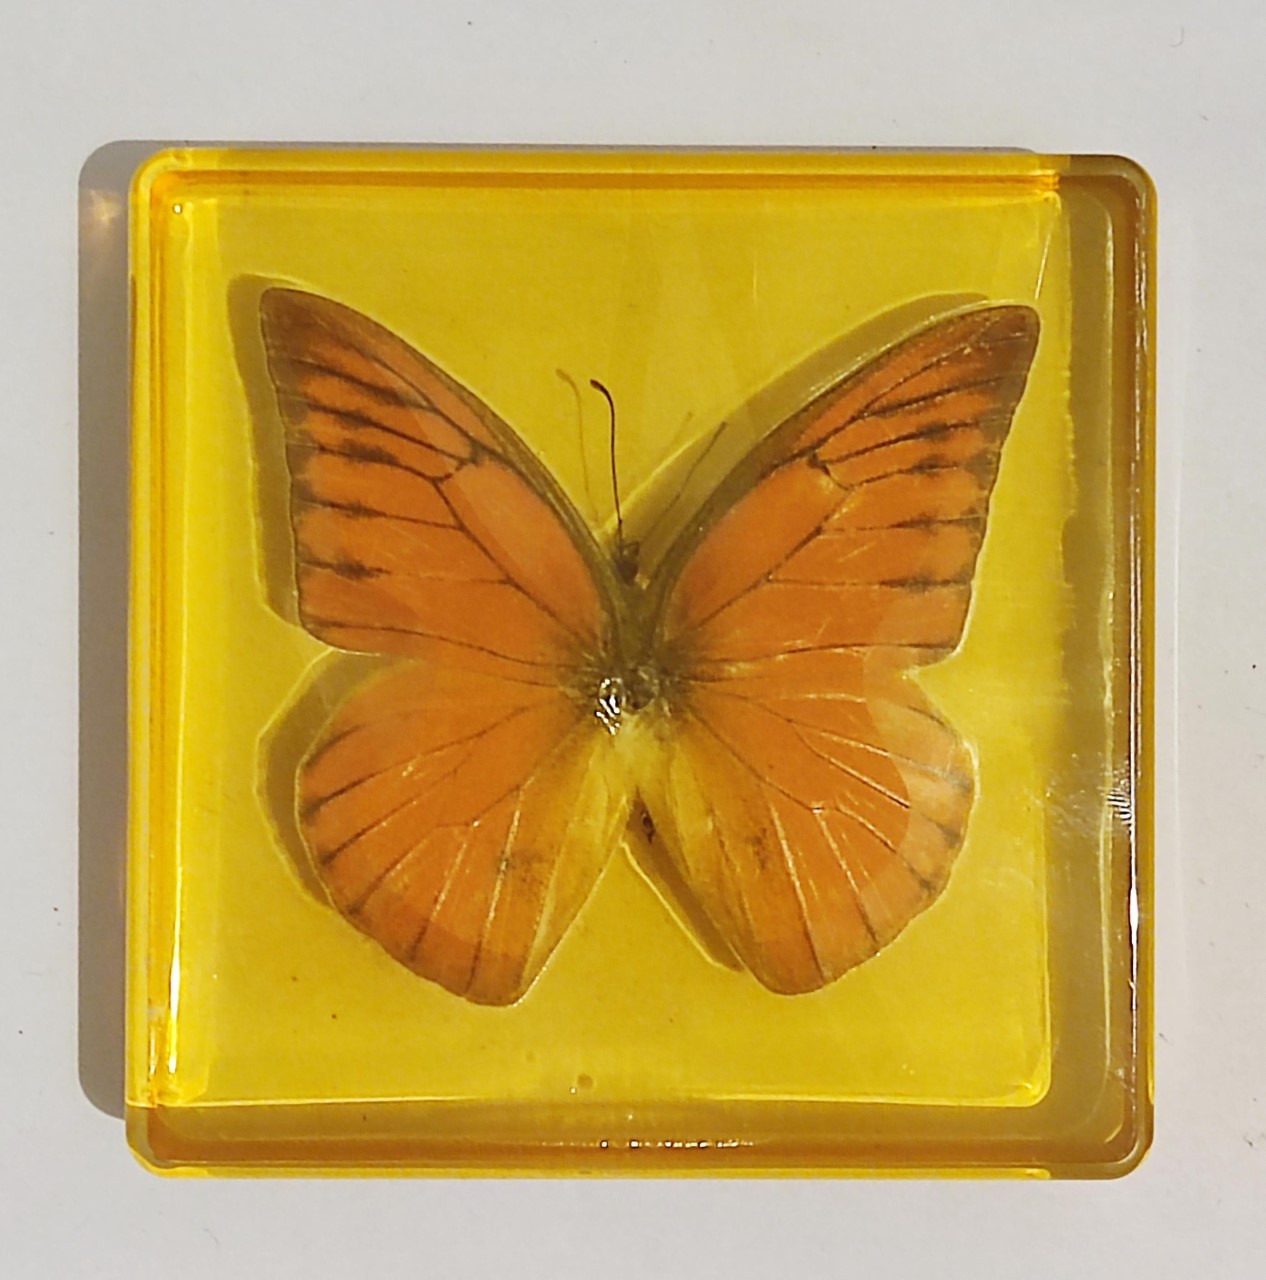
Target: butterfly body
[{"x": 748, "y": 691}]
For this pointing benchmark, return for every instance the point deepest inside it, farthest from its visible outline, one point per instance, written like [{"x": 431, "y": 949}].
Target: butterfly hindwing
[
  {"x": 430, "y": 805},
  {"x": 811, "y": 795},
  {"x": 813, "y": 806}
]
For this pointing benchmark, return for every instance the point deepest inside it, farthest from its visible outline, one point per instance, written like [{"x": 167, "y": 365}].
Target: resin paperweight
[{"x": 640, "y": 663}]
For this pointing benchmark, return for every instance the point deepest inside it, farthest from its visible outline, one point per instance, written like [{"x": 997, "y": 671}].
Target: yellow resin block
[{"x": 1006, "y": 1029}]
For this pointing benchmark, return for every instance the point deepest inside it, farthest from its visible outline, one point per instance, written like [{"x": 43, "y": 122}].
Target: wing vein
[
  {"x": 939, "y": 431},
  {"x": 833, "y": 808},
  {"x": 845, "y": 492},
  {"x": 835, "y": 735},
  {"x": 379, "y": 881},
  {"x": 334, "y": 625},
  {"x": 503, "y": 866},
  {"x": 978, "y": 340},
  {"x": 545, "y": 902},
  {"x": 368, "y": 453},
  {"x": 417, "y": 399},
  {"x": 492, "y": 553},
  {"x": 789, "y": 859},
  {"x": 842, "y": 859},
  {"x": 408, "y": 761},
  {"x": 328, "y": 856},
  {"x": 359, "y": 569},
  {"x": 440, "y": 898},
  {"x": 892, "y": 410},
  {"x": 366, "y": 421},
  {"x": 361, "y": 511}
]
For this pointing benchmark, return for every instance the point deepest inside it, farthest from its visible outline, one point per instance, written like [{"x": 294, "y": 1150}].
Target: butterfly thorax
[
  {"x": 630, "y": 675},
  {"x": 625, "y": 691},
  {"x": 627, "y": 694}
]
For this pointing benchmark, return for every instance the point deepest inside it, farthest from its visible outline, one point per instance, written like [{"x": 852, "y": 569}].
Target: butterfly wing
[
  {"x": 422, "y": 523},
  {"x": 455, "y": 809},
  {"x": 461, "y": 819},
  {"x": 811, "y": 795}
]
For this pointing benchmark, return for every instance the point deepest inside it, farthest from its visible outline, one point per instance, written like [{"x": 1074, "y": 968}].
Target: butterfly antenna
[
  {"x": 580, "y": 435},
  {"x": 615, "y": 480}
]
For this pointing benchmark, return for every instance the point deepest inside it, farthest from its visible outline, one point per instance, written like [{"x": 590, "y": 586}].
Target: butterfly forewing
[
  {"x": 812, "y": 796},
  {"x": 420, "y": 520},
  {"x": 894, "y": 500}
]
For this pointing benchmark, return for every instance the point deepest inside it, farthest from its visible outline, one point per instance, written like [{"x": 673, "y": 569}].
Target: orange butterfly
[{"x": 748, "y": 695}]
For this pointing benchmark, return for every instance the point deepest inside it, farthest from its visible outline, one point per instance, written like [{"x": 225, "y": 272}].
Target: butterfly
[{"x": 747, "y": 694}]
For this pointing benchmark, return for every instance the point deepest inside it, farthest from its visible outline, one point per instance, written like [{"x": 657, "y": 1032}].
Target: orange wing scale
[
  {"x": 430, "y": 803},
  {"x": 431, "y": 808},
  {"x": 460, "y": 807},
  {"x": 812, "y": 795},
  {"x": 909, "y": 447},
  {"x": 815, "y": 806},
  {"x": 415, "y": 526}
]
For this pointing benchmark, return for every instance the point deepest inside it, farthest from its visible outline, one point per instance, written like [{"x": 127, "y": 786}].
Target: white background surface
[{"x": 1178, "y": 86}]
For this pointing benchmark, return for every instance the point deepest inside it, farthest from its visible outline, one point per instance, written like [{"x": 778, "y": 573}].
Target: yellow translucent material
[{"x": 1007, "y": 1029}]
